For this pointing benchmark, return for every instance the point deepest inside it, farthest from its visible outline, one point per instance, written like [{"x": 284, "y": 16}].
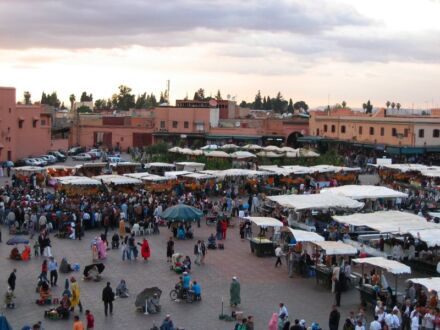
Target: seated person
[
  {"x": 26, "y": 254},
  {"x": 197, "y": 289},
  {"x": 122, "y": 290},
  {"x": 189, "y": 233},
  {"x": 15, "y": 254},
  {"x": 212, "y": 243},
  {"x": 176, "y": 261},
  {"x": 153, "y": 305},
  {"x": 93, "y": 274},
  {"x": 9, "y": 299},
  {"x": 45, "y": 293},
  {"x": 186, "y": 264},
  {"x": 63, "y": 309},
  {"x": 115, "y": 241},
  {"x": 65, "y": 267},
  {"x": 181, "y": 233}
]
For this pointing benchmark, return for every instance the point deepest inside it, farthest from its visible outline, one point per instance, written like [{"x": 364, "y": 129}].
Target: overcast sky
[{"x": 313, "y": 50}]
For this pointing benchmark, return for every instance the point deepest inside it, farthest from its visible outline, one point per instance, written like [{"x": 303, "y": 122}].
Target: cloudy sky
[{"x": 314, "y": 50}]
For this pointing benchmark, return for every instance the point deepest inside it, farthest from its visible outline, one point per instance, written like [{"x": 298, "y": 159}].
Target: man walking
[
  {"x": 77, "y": 323},
  {"x": 198, "y": 252},
  {"x": 52, "y": 267},
  {"x": 108, "y": 296},
  {"x": 278, "y": 254},
  {"x": 11, "y": 280},
  {"x": 333, "y": 320},
  {"x": 90, "y": 320}
]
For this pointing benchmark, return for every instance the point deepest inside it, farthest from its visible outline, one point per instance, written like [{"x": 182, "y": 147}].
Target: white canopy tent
[
  {"x": 175, "y": 174},
  {"x": 275, "y": 169},
  {"x": 252, "y": 147},
  {"x": 199, "y": 176},
  {"x": 229, "y": 146},
  {"x": 387, "y": 221},
  {"x": 210, "y": 147},
  {"x": 430, "y": 283},
  {"x": 364, "y": 192},
  {"x": 272, "y": 148},
  {"x": 78, "y": 181},
  {"x": 139, "y": 175},
  {"x": 190, "y": 166},
  {"x": 117, "y": 179},
  {"x": 336, "y": 248},
  {"x": 303, "y": 236},
  {"x": 391, "y": 266},
  {"x": 157, "y": 164},
  {"x": 216, "y": 154},
  {"x": 242, "y": 155},
  {"x": 430, "y": 236},
  {"x": 269, "y": 154},
  {"x": 265, "y": 221},
  {"x": 316, "y": 202},
  {"x": 242, "y": 172},
  {"x": 296, "y": 169}
]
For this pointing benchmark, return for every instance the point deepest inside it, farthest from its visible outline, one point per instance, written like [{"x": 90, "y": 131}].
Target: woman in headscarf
[
  {"x": 65, "y": 267},
  {"x": 122, "y": 290},
  {"x": 145, "y": 249},
  {"x": 235, "y": 292},
  {"x": 273, "y": 322},
  {"x": 102, "y": 248}
]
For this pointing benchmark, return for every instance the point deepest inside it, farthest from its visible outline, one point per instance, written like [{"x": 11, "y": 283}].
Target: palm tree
[
  {"x": 398, "y": 106},
  {"x": 393, "y": 105},
  {"x": 72, "y": 100},
  {"x": 388, "y": 104}
]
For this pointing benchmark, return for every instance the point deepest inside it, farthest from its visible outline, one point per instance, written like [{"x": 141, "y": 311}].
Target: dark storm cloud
[{"x": 111, "y": 23}]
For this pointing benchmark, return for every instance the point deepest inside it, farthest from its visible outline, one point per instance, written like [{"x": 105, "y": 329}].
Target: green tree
[
  {"x": 43, "y": 98},
  {"x": 162, "y": 98},
  {"x": 218, "y": 96},
  {"x": 290, "y": 108},
  {"x": 258, "y": 104},
  {"x": 398, "y": 106},
  {"x": 368, "y": 107},
  {"x": 63, "y": 107},
  {"x": 84, "y": 109},
  {"x": 101, "y": 104},
  {"x": 124, "y": 100},
  {"x": 344, "y": 104},
  {"x": 388, "y": 104},
  {"x": 301, "y": 105},
  {"x": 50, "y": 99},
  {"x": 243, "y": 104},
  {"x": 393, "y": 105},
  {"x": 278, "y": 103},
  {"x": 199, "y": 95},
  {"x": 264, "y": 105},
  {"x": 141, "y": 101},
  {"x": 268, "y": 103},
  {"x": 72, "y": 101},
  {"x": 86, "y": 98},
  {"x": 27, "y": 98}
]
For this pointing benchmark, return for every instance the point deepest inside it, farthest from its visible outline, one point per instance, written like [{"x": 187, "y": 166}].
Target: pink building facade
[{"x": 25, "y": 130}]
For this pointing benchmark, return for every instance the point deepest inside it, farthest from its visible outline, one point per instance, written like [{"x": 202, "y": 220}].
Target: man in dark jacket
[
  {"x": 107, "y": 297},
  {"x": 333, "y": 321},
  {"x": 11, "y": 280}
]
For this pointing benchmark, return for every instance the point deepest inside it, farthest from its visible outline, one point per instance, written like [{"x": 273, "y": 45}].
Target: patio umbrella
[
  {"x": 197, "y": 152},
  {"x": 252, "y": 147},
  {"x": 269, "y": 154},
  {"x": 4, "y": 324},
  {"x": 288, "y": 149},
  {"x": 210, "y": 147},
  {"x": 217, "y": 154},
  {"x": 145, "y": 294},
  {"x": 272, "y": 148},
  {"x": 229, "y": 146},
  {"x": 99, "y": 266},
  {"x": 182, "y": 212},
  {"x": 175, "y": 149},
  {"x": 242, "y": 155},
  {"x": 17, "y": 240}
]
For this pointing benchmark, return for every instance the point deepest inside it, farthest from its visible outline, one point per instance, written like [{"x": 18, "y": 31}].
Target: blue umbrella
[
  {"x": 182, "y": 212},
  {"x": 17, "y": 240},
  {"x": 4, "y": 324}
]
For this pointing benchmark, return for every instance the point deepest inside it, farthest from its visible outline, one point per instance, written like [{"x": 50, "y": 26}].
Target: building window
[
  {"x": 20, "y": 124},
  {"x": 382, "y": 131},
  {"x": 43, "y": 122},
  {"x": 371, "y": 130},
  {"x": 317, "y": 131},
  {"x": 325, "y": 129},
  {"x": 34, "y": 123},
  {"x": 10, "y": 110},
  {"x": 421, "y": 133},
  {"x": 343, "y": 129},
  {"x": 185, "y": 124},
  {"x": 406, "y": 132},
  {"x": 333, "y": 128},
  {"x": 436, "y": 133},
  {"x": 394, "y": 132},
  {"x": 360, "y": 130},
  {"x": 162, "y": 124},
  {"x": 174, "y": 124}
]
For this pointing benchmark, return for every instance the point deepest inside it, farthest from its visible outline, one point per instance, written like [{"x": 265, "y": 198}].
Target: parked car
[
  {"x": 8, "y": 163},
  {"x": 82, "y": 156},
  {"x": 59, "y": 156},
  {"x": 114, "y": 160},
  {"x": 49, "y": 159},
  {"x": 39, "y": 161},
  {"x": 75, "y": 151},
  {"x": 20, "y": 162},
  {"x": 96, "y": 152}
]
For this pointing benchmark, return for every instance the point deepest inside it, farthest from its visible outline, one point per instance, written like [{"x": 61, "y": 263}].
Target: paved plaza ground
[{"x": 262, "y": 285}]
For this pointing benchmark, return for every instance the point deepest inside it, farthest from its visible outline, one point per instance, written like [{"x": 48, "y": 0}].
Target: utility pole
[{"x": 168, "y": 92}]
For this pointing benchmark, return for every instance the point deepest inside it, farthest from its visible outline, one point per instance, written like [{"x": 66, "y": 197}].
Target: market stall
[
  {"x": 190, "y": 166},
  {"x": 264, "y": 244},
  {"x": 78, "y": 185},
  {"x": 125, "y": 167},
  {"x": 361, "y": 192},
  {"x": 25, "y": 173},
  {"x": 91, "y": 169},
  {"x": 371, "y": 292},
  {"x": 198, "y": 182},
  {"x": 302, "y": 209},
  {"x": 159, "y": 168},
  {"x": 118, "y": 182},
  {"x": 429, "y": 283}
]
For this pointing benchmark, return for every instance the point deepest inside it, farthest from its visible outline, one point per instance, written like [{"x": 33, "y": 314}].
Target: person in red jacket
[
  {"x": 145, "y": 249},
  {"x": 224, "y": 228},
  {"x": 90, "y": 320}
]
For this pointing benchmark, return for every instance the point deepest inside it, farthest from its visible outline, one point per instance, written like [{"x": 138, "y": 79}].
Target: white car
[
  {"x": 96, "y": 152},
  {"x": 82, "y": 156}
]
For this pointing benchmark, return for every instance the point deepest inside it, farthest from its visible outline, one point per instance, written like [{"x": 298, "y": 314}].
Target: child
[{"x": 36, "y": 248}]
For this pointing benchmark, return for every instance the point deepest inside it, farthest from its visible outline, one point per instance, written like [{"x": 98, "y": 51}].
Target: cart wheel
[{"x": 173, "y": 295}]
